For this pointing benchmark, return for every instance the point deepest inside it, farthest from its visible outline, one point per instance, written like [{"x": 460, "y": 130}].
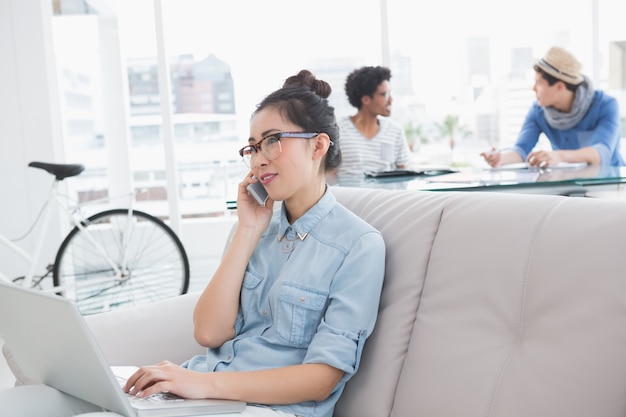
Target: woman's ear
[{"x": 322, "y": 143}]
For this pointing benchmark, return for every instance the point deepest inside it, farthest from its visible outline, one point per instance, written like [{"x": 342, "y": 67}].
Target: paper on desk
[
  {"x": 488, "y": 177},
  {"x": 525, "y": 165}
]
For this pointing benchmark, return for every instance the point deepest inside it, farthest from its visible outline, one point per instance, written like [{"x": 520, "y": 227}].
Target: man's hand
[
  {"x": 543, "y": 159},
  {"x": 493, "y": 157}
]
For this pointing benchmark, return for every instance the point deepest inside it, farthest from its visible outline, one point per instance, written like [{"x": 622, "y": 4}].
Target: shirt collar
[{"x": 309, "y": 220}]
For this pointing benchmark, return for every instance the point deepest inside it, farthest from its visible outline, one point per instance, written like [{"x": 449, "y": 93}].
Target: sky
[{"x": 266, "y": 41}]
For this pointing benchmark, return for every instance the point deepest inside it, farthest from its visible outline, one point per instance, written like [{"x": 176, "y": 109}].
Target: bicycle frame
[
  {"x": 78, "y": 220},
  {"x": 33, "y": 259}
]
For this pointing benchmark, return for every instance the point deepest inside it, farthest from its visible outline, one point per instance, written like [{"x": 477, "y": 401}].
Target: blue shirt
[
  {"x": 310, "y": 294},
  {"x": 599, "y": 129}
]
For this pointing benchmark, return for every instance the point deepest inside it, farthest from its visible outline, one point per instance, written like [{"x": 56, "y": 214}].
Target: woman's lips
[{"x": 266, "y": 178}]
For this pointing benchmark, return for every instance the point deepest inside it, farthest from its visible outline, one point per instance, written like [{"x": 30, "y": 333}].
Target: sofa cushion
[
  {"x": 151, "y": 332},
  {"x": 409, "y": 224},
  {"x": 521, "y": 306},
  {"x": 523, "y": 311}
]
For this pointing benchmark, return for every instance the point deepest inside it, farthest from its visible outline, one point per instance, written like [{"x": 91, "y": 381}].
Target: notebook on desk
[
  {"x": 409, "y": 173},
  {"x": 53, "y": 345}
]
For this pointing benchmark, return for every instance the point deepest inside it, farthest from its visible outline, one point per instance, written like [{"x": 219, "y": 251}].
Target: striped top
[{"x": 385, "y": 151}]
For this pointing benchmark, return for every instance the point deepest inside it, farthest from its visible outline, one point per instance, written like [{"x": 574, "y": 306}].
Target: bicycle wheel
[{"x": 156, "y": 262}]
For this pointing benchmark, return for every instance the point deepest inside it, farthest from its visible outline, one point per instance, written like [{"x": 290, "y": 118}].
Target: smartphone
[{"x": 258, "y": 192}]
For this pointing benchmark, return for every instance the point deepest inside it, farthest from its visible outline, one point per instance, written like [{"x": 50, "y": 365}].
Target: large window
[{"x": 470, "y": 61}]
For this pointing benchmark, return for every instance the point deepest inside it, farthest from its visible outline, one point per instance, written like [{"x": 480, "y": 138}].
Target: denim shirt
[
  {"x": 599, "y": 129},
  {"x": 310, "y": 294}
]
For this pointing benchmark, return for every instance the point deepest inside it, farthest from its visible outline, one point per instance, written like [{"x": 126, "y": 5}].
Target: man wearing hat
[{"x": 581, "y": 123}]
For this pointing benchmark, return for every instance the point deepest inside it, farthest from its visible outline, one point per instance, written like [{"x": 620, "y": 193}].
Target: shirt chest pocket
[{"x": 299, "y": 313}]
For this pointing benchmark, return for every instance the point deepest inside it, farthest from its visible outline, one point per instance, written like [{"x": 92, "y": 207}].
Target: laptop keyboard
[{"x": 160, "y": 397}]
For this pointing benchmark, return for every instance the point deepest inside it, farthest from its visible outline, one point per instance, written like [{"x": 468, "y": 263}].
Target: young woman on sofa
[{"x": 286, "y": 314}]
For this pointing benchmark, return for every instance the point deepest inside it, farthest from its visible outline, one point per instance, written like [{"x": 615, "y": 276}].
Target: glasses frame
[
  {"x": 257, "y": 147},
  {"x": 385, "y": 94}
]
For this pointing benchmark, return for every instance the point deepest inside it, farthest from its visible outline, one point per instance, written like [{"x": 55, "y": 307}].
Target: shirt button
[
  {"x": 229, "y": 357},
  {"x": 265, "y": 312},
  {"x": 302, "y": 299}
]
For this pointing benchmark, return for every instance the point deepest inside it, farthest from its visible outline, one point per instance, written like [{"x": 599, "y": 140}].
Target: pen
[{"x": 495, "y": 151}]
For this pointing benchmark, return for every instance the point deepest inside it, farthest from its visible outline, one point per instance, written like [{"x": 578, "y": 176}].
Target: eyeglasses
[
  {"x": 385, "y": 94},
  {"x": 270, "y": 146}
]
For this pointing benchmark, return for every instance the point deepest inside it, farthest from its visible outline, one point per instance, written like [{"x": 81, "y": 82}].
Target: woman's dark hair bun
[
  {"x": 305, "y": 78},
  {"x": 303, "y": 101}
]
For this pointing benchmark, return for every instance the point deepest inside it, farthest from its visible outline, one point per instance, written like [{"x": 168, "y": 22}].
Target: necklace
[{"x": 289, "y": 239}]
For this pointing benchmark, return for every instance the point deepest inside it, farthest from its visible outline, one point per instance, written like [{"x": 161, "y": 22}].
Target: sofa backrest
[{"x": 494, "y": 305}]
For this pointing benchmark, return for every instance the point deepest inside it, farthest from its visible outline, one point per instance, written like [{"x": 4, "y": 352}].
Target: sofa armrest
[
  {"x": 141, "y": 335},
  {"x": 149, "y": 333}
]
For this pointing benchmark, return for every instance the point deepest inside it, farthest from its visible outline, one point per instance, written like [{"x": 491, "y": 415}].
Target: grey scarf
[{"x": 582, "y": 101}]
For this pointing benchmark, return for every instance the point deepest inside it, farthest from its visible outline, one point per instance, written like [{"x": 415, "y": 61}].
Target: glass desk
[{"x": 569, "y": 181}]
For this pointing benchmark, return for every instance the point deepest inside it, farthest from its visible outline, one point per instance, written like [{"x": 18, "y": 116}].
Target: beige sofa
[{"x": 493, "y": 305}]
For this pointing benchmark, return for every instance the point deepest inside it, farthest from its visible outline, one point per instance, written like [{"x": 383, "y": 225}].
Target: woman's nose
[{"x": 258, "y": 160}]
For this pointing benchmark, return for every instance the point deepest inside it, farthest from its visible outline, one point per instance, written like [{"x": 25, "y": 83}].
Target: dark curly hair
[
  {"x": 363, "y": 82},
  {"x": 303, "y": 100}
]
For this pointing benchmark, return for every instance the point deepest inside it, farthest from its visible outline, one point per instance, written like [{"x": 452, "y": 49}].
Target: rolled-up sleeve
[
  {"x": 353, "y": 306},
  {"x": 529, "y": 133}
]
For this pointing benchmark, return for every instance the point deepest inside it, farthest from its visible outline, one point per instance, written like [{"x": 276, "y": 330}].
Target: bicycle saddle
[{"x": 60, "y": 171}]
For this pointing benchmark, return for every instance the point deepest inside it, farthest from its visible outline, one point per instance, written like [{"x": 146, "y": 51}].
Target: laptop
[{"x": 52, "y": 344}]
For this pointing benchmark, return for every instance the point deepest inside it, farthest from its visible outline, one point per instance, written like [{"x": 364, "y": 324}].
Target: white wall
[{"x": 30, "y": 126}]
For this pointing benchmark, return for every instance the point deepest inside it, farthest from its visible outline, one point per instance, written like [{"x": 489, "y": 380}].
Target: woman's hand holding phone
[
  {"x": 259, "y": 193},
  {"x": 254, "y": 206}
]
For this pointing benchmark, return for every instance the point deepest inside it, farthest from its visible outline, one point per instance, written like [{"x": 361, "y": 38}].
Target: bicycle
[{"x": 111, "y": 259}]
